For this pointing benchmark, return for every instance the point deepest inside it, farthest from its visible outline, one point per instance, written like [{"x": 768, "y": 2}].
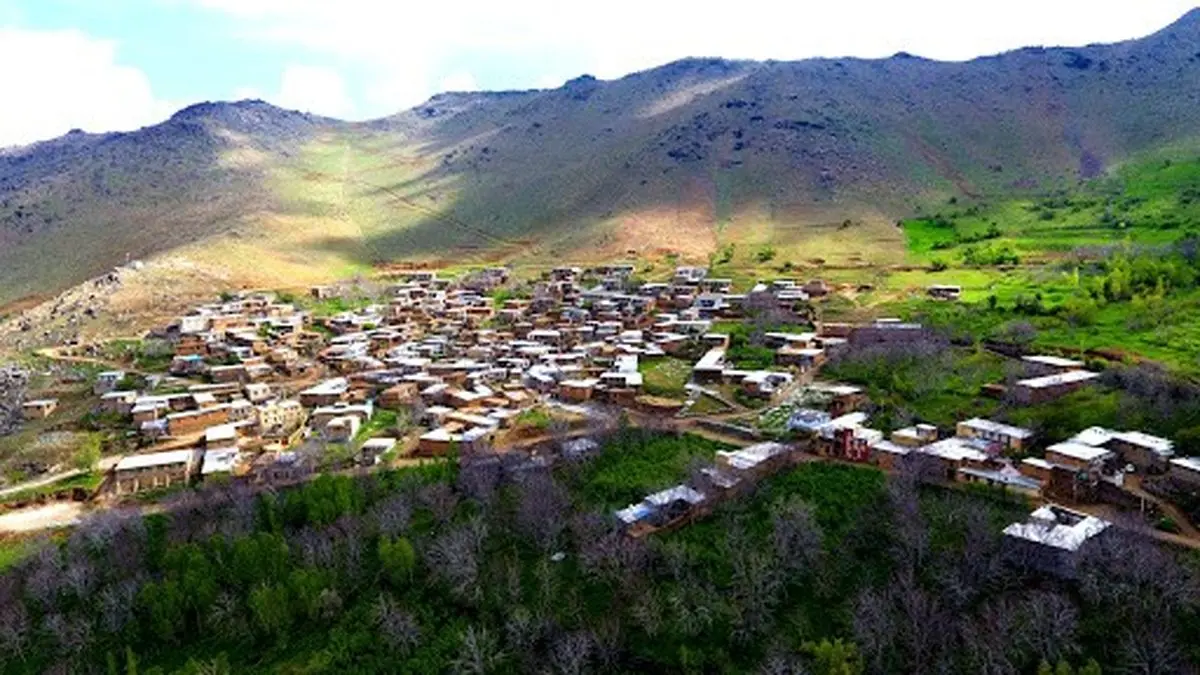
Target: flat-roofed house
[
  {"x": 196, "y": 421},
  {"x": 220, "y": 462},
  {"x": 1186, "y": 470},
  {"x": 1043, "y": 364},
  {"x": 107, "y": 381},
  {"x": 1053, "y": 539},
  {"x": 711, "y": 366},
  {"x": 577, "y": 391},
  {"x": 1078, "y": 456},
  {"x": 1007, "y": 437},
  {"x": 1146, "y": 452},
  {"x": 39, "y": 409},
  {"x": 325, "y": 393},
  {"x": 1050, "y": 387},
  {"x": 154, "y": 471}
]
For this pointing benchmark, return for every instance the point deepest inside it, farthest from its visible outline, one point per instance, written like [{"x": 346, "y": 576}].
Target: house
[
  {"x": 917, "y": 436},
  {"x": 756, "y": 460},
  {"x": 1146, "y": 452},
  {"x": 341, "y": 429},
  {"x": 39, "y": 409},
  {"x": 711, "y": 366},
  {"x": 1007, "y": 479},
  {"x": 1042, "y": 365},
  {"x": 689, "y": 276},
  {"x": 118, "y": 402},
  {"x": 107, "y": 381},
  {"x": 952, "y": 454},
  {"x": 660, "y": 509},
  {"x": 258, "y": 393},
  {"x": 154, "y": 471},
  {"x": 944, "y": 292},
  {"x": 399, "y": 396},
  {"x": 1053, "y": 539},
  {"x": 1186, "y": 470},
  {"x": 577, "y": 391},
  {"x": 372, "y": 451},
  {"x": 219, "y": 462},
  {"x": 280, "y": 419},
  {"x": 1078, "y": 456},
  {"x": 196, "y": 421},
  {"x": 322, "y": 416},
  {"x": 326, "y": 393},
  {"x": 1050, "y": 387},
  {"x": 1008, "y": 438}
]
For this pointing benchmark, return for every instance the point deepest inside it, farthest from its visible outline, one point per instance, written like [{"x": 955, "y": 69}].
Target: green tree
[
  {"x": 162, "y": 605},
  {"x": 835, "y": 657},
  {"x": 88, "y": 454},
  {"x": 1063, "y": 668},
  {"x": 397, "y": 559},
  {"x": 271, "y": 608},
  {"x": 1092, "y": 667}
]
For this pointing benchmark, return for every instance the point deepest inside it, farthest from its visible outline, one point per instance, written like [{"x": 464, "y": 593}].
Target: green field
[{"x": 665, "y": 376}]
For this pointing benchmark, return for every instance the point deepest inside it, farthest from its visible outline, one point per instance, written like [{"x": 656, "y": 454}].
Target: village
[{"x": 262, "y": 392}]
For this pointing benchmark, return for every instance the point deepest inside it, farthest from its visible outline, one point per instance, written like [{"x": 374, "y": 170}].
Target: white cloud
[
  {"x": 55, "y": 81},
  {"x": 315, "y": 89},
  {"x": 404, "y": 50}
]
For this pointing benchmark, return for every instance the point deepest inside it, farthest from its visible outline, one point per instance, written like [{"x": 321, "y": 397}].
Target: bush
[{"x": 765, "y": 254}]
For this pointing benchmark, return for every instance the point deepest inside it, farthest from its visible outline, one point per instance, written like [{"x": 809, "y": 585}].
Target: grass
[
  {"x": 938, "y": 388},
  {"x": 382, "y": 420},
  {"x": 707, "y": 405},
  {"x": 665, "y": 377},
  {"x": 88, "y": 481},
  {"x": 12, "y": 551},
  {"x": 636, "y": 463}
]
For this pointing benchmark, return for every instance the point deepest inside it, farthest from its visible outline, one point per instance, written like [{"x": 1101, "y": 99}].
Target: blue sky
[{"x": 107, "y": 65}]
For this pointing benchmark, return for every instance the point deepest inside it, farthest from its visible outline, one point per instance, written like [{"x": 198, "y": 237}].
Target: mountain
[{"x": 817, "y": 158}]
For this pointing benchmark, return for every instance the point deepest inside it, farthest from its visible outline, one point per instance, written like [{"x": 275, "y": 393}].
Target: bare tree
[
  {"x": 393, "y": 515},
  {"x": 571, "y": 653},
  {"x": 479, "y": 653},
  {"x": 453, "y": 558},
  {"x": 479, "y": 478},
  {"x": 1150, "y": 649},
  {"x": 796, "y": 536},
  {"x": 398, "y": 628},
  {"x": 542, "y": 510},
  {"x": 874, "y": 629},
  {"x": 1050, "y": 622},
  {"x": 14, "y": 632},
  {"x": 440, "y": 499}
]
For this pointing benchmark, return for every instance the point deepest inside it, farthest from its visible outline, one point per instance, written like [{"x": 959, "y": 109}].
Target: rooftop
[{"x": 1057, "y": 527}]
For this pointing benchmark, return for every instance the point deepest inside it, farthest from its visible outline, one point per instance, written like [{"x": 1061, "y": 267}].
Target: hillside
[{"x": 817, "y": 158}]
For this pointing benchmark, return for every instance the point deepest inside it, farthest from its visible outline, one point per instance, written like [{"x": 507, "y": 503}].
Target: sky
[{"x": 115, "y": 65}]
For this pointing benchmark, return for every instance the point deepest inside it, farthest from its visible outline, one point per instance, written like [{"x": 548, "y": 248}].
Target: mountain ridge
[{"x": 676, "y": 159}]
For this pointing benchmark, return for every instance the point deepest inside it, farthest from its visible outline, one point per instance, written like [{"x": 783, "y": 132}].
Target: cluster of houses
[
  {"x": 255, "y": 381},
  {"x": 258, "y": 386}
]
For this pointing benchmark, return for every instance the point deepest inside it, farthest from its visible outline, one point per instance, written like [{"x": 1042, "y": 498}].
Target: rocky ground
[
  {"x": 128, "y": 300},
  {"x": 14, "y": 382}
]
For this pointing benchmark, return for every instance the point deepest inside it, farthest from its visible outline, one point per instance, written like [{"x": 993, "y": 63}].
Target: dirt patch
[{"x": 51, "y": 516}]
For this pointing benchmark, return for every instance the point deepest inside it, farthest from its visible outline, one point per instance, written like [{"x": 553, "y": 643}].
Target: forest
[{"x": 505, "y": 564}]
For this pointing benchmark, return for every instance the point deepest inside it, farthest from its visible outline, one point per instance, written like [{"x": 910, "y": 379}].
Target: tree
[
  {"x": 88, "y": 454},
  {"x": 397, "y": 559},
  {"x": 479, "y": 653},
  {"x": 834, "y": 657},
  {"x": 271, "y": 609}
]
